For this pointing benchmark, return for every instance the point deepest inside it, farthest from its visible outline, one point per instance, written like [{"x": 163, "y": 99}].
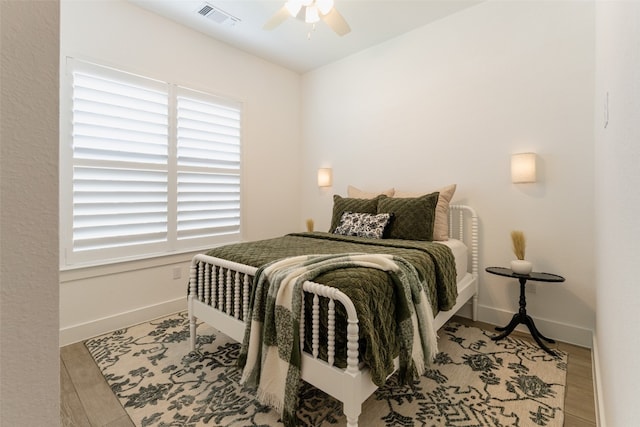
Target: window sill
[{"x": 80, "y": 272}]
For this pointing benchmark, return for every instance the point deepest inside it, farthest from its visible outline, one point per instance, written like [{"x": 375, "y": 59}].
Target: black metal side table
[{"x": 521, "y": 316}]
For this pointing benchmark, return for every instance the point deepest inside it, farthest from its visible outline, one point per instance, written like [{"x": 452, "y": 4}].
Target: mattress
[{"x": 460, "y": 253}]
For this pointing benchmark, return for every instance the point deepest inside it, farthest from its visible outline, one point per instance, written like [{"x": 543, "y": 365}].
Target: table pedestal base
[
  {"x": 521, "y": 316},
  {"x": 525, "y": 319}
]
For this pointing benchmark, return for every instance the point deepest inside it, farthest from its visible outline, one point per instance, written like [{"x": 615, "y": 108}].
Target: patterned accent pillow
[
  {"x": 413, "y": 218},
  {"x": 363, "y": 224},
  {"x": 344, "y": 204}
]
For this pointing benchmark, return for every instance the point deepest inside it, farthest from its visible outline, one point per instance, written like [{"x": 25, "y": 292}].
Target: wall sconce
[
  {"x": 523, "y": 168},
  {"x": 325, "y": 177}
]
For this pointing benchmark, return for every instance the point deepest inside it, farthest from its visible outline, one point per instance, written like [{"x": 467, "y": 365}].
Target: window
[{"x": 148, "y": 168}]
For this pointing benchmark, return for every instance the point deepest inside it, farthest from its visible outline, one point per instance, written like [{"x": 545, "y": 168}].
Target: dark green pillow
[
  {"x": 344, "y": 204},
  {"x": 413, "y": 217}
]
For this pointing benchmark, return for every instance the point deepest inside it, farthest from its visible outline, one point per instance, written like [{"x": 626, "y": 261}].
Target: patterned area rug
[{"x": 473, "y": 382}]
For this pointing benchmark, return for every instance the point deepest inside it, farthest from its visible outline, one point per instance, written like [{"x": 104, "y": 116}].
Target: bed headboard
[{"x": 463, "y": 225}]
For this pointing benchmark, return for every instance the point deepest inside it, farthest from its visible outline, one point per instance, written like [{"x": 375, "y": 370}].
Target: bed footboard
[
  {"x": 219, "y": 293},
  {"x": 224, "y": 287}
]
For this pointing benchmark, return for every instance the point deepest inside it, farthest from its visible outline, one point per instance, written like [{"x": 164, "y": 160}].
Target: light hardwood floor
[{"x": 87, "y": 400}]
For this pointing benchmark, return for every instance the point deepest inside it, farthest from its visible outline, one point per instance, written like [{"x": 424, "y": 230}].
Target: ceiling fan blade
[
  {"x": 278, "y": 18},
  {"x": 337, "y": 23}
]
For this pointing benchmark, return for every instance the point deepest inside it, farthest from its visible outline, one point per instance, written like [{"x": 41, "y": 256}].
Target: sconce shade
[
  {"x": 523, "y": 168},
  {"x": 325, "y": 178}
]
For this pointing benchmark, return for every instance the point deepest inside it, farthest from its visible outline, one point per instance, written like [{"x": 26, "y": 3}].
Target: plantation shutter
[
  {"x": 208, "y": 166},
  {"x": 120, "y": 150},
  {"x": 149, "y": 168}
]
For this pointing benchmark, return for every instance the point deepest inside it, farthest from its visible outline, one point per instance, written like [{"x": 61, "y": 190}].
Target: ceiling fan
[{"x": 311, "y": 11}]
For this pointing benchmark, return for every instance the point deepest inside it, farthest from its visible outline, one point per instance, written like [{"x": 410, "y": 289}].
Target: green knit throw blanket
[{"x": 270, "y": 355}]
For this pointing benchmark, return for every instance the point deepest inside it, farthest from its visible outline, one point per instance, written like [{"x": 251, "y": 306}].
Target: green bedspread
[{"x": 370, "y": 290}]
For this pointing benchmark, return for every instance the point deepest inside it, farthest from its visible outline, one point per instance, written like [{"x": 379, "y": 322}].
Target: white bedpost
[
  {"x": 245, "y": 296},
  {"x": 474, "y": 262},
  {"x": 315, "y": 326},
  {"x": 352, "y": 346},
  {"x": 192, "y": 294},
  {"x": 206, "y": 283},
  {"x": 353, "y": 405},
  {"x": 331, "y": 332},
  {"x": 473, "y": 244},
  {"x": 236, "y": 296},
  {"x": 228, "y": 292}
]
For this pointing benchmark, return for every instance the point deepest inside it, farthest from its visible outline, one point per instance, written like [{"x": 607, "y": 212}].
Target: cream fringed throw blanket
[{"x": 270, "y": 353}]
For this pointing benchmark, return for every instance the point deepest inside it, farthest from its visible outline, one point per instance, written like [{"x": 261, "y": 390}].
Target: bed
[{"x": 333, "y": 350}]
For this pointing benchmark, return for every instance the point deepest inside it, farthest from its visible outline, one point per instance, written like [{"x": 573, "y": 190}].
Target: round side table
[{"x": 521, "y": 316}]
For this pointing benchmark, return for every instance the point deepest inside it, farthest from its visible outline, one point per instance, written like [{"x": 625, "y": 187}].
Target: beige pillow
[
  {"x": 356, "y": 193},
  {"x": 441, "y": 225}
]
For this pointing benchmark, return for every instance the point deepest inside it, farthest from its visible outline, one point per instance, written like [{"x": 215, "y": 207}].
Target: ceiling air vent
[{"x": 217, "y": 15}]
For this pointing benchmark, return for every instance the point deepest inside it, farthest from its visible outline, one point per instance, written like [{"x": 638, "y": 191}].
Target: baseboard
[
  {"x": 83, "y": 331},
  {"x": 466, "y": 311},
  {"x": 559, "y": 331},
  {"x": 69, "y": 335},
  {"x": 597, "y": 384}
]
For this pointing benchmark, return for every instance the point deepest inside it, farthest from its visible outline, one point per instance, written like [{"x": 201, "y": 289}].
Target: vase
[{"x": 520, "y": 266}]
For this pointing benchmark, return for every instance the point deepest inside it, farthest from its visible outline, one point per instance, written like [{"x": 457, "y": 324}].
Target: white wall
[
  {"x": 449, "y": 103},
  {"x": 124, "y": 36},
  {"x": 618, "y": 228},
  {"x": 29, "y": 357}
]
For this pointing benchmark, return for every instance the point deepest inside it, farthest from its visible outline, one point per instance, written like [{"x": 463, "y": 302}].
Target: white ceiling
[{"x": 294, "y": 44}]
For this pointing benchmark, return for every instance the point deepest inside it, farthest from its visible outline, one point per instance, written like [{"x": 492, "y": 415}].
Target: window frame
[{"x": 171, "y": 245}]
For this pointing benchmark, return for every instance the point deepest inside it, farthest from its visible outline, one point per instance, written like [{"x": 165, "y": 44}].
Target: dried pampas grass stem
[{"x": 517, "y": 237}]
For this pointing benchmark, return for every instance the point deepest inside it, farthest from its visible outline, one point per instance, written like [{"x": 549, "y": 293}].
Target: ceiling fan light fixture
[
  {"x": 314, "y": 11},
  {"x": 312, "y": 15},
  {"x": 324, "y": 6},
  {"x": 293, "y": 7}
]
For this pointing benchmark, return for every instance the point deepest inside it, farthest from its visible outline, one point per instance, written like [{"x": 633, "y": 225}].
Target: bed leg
[
  {"x": 192, "y": 332},
  {"x": 192, "y": 325},
  {"x": 474, "y": 307},
  {"x": 352, "y": 412}
]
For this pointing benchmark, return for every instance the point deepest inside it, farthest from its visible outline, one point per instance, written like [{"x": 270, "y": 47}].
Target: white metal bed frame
[{"x": 219, "y": 290}]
